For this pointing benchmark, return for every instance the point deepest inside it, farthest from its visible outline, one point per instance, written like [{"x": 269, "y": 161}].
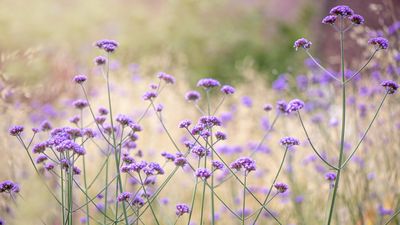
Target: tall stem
[
  {"x": 244, "y": 197},
  {"x": 212, "y": 158},
  {"x": 84, "y": 176},
  {"x": 335, "y": 189}
]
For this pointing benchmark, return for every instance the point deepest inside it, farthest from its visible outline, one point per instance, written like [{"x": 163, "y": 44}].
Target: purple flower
[
  {"x": 16, "y": 130},
  {"x": 185, "y": 124},
  {"x": 49, "y": 166},
  {"x": 294, "y": 105},
  {"x": 390, "y": 86},
  {"x": 169, "y": 79},
  {"x": 356, "y": 19},
  {"x": 80, "y": 79},
  {"x": 138, "y": 201},
  {"x": 245, "y": 163},
  {"x": 124, "y": 120},
  {"x": 45, "y": 126},
  {"x": 330, "y": 19},
  {"x": 281, "y": 187},
  {"x": 384, "y": 212},
  {"x": 342, "y": 10},
  {"x": 41, "y": 158},
  {"x": 220, "y": 135},
  {"x": 330, "y": 176},
  {"x": 107, "y": 45},
  {"x": 281, "y": 106},
  {"x": 192, "y": 96},
  {"x": 228, "y": 89},
  {"x": 267, "y": 107},
  {"x": 208, "y": 83},
  {"x": 302, "y": 43},
  {"x": 103, "y": 111},
  {"x": 124, "y": 196},
  {"x": 289, "y": 141},
  {"x": 74, "y": 119},
  {"x": 200, "y": 151},
  {"x": 182, "y": 209},
  {"x": 203, "y": 173},
  {"x": 180, "y": 161},
  {"x": 209, "y": 121},
  {"x": 379, "y": 42},
  {"x": 149, "y": 95},
  {"x": 217, "y": 165},
  {"x": 80, "y": 104},
  {"x": 9, "y": 187},
  {"x": 100, "y": 60},
  {"x": 168, "y": 156},
  {"x": 159, "y": 107}
]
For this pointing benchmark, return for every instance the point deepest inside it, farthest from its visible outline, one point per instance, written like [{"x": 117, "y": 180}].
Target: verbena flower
[
  {"x": 281, "y": 106},
  {"x": 330, "y": 19},
  {"x": 16, "y": 130},
  {"x": 217, "y": 165},
  {"x": 182, "y": 209},
  {"x": 302, "y": 43},
  {"x": 124, "y": 120},
  {"x": 74, "y": 119},
  {"x": 138, "y": 201},
  {"x": 185, "y": 123},
  {"x": 390, "y": 86},
  {"x": 342, "y": 10},
  {"x": 356, "y": 19},
  {"x": 9, "y": 187},
  {"x": 267, "y": 107},
  {"x": 209, "y": 121},
  {"x": 208, "y": 83},
  {"x": 100, "y": 60},
  {"x": 41, "y": 158},
  {"x": 289, "y": 141},
  {"x": 330, "y": 176},
  {"x": 103, "y": 111},
  {"x": 294, "y": 105},
  {"x": 228, "y": 90},
  {"x": 149, "y": 95},
  {"x": 107, "y": 45},
  {"x": 169, "y": 79},
  {"x": 220, "y": 135},
  {"x": 245, "y": 163},
  {"x": 180, "y": 161},
  {"x": 200, "y": 151},
  {"x": 80, "y": 104},
  {"x": 281, "y": 187},
  {"x": 125, "y": 197},
  {"x": 80, "y": 79},
  {"x": 203, "y": 173},
  {"x": 192, "y": 96},
  {"x": 379, "y": 42},
  {"x": 45, "y": 126}
]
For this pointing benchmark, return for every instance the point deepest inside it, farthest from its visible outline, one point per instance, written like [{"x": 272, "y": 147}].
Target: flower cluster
[
  {"x": 9, "y": 187},
  {"x": 182, "y": 209},
  {"x": 245, "y": 163},
  {"x": 107, "y": 45}
]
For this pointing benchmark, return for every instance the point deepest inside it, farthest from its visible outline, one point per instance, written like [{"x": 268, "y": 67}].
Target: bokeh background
[{"x": 246, "y": 43}]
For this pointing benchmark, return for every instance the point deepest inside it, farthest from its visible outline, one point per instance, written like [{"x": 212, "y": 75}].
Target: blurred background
[{"x": 246, "y": 43}]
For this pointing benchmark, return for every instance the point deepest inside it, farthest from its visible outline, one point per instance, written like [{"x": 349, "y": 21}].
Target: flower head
[
  {"x": 80, "y": 79},
  {"x": 16, "y": 130},
  {"x": 294, "y": 105},
  {"x": 107, "y": 45},
  {"x": 169, "y": 79},
  {"x": 182, "y": 209},
  {"x": 245, "y": 163},
  {"x": 302, "y": 43},
  {"x": 341, "y": 10},
  {"x": 228, "y": 90},
  {"x": 379, "y": 42},
  {"x": 9, "y": 187},
  {"x": 208, "y": 83},
  {"x": 356, "y": 19},
  {"x": 100, "y": 60},
  {"x": 203, "y": 173},
  {"x": 192, "y": 96},
  {"x": 217, "y": 165},
  {"x": 281, "y": 187},
  {"x": 124, "y": 196},
  {"x": 390, "y": 86},
  {"x": 80, "y": 104},
  {"x": 149, "y": 95},
  {"x": 330, "y": 19},
  {"x": 330, "y": 176},
  {"x": 220, "y": 135},
  {"x": 185, "y": 124},
  {"x": 289, "y": 141}
]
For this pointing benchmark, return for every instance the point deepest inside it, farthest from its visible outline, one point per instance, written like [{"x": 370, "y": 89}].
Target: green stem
[
  {"x": 193, "y": 196},
  {"x": 212, "y": 157},
  {"x": 244, "y": 198},
  {"x": 147, "y": 198},
  {"x": 335, "y": 190},
  {"x": 84, "y": 175}
]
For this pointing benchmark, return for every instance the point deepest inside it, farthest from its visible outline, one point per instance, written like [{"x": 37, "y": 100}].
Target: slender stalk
[
  {"x": 203, "y": 194},
  {"x": 272, "y": 185},
  {"x": 244, "y": 197},
  {"x": 147, "y": 198},
  {"x": 193, "y": 196},
  {"x": 361, "y": 68},
  {"x": 62, "y": 195},
  {"x": 212, "y": 156},
  {"x": 335, "y": 188},
  {"x": 321, "y": 67},
  {"x": 392, "y": 217},
  {"x": 84, "y": 174}
]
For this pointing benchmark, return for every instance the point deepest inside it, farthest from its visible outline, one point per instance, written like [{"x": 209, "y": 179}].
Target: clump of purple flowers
[{"x": 182, "y": 209}]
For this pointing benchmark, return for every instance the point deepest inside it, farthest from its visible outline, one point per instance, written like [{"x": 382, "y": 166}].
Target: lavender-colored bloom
[
  {"x": 138, "y": 201},
  {"x": 168, "y": 156},
  {"x": 180, "y": 161},
  {"x": 203, "y": 173},
  {"x": 169, "y": 79},
  {"x": 100, "y": 119},
  {"x": 192, "y": 96},
  {"x": 220, "y": 135},
  {"x": 135, "y": 127},
  {"x": 208, "y": 83},
  {"x": 281, "y": 106},
  {"x": 153, "y": 169},
  {"x": 80, "y": 79},
  {"x": 281, "y": 83},
  {"x": 80, "y": 104},
  {"x": 74, "y": 119},
  {"x": 294, "y": 105},
  {"x": 107, "y": 45},
  {"x": 49, "y": 166},
  {"x": 76, "y": 170},
  {"x": 124, "y": 120},
  {"x": 149, "y": 95},
  {"x": 138, "y": 166},
  {"x": 267, "y": 107},
  {"x": 100, "y": 60},
  {"x": 302, "y": 43},
  {"x": 245, "y": 163},
  {"x": 182, "y": 209},
  {"x": 281, "y": 187},
  {"x": 103, "y": 111},
  {"x": 379, "y": 42},
  {"x": 41, "y": 158},
  {"x": 330, "y": 19},
  {"x": 330, "y": 176},
  {"x": 45, "y": 126},
  {"x": 16, "y": 130},
  {"x": 124, "y": 196},
  {"x": 247, "y": 101},
  {"x": 390, "y": 86},
  {"x": 384, "y": 212},
  {"x": 289, "y": 141},
  {"x": 2, "y": 222},
  {"x": 200, "y": 151},
  {"x": 229, "y": 90},
  {"x": 356, "y": 19},
  {"x": 159, "y": 107},
  {"x": 185, "y": 124},
  {"x": 342, "y": 10},
  {"x": 209, "y": 121},
  {"x": 9, "y": 187},
  {"x": 217, "y": 165}
]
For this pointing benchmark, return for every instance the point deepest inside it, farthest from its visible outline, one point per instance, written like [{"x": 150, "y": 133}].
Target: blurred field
[{"x": 248, "y": 44}]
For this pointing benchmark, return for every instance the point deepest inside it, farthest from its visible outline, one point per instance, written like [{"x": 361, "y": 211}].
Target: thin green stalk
[
  {"x": 212, "y": 157},
  {"x": 106, "y": 193},
  {"x": 147, "y": 198},
  {"x": 62, "y": 195},
  {"x": 193, "y": 196},
  {"x": 84, "y": 175},
  {"x": 332, "y": 205},
  {"x": 203, "y": 194},
  {"x": 272, "y": 185},
  {"x": 244, "y": 197}
]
